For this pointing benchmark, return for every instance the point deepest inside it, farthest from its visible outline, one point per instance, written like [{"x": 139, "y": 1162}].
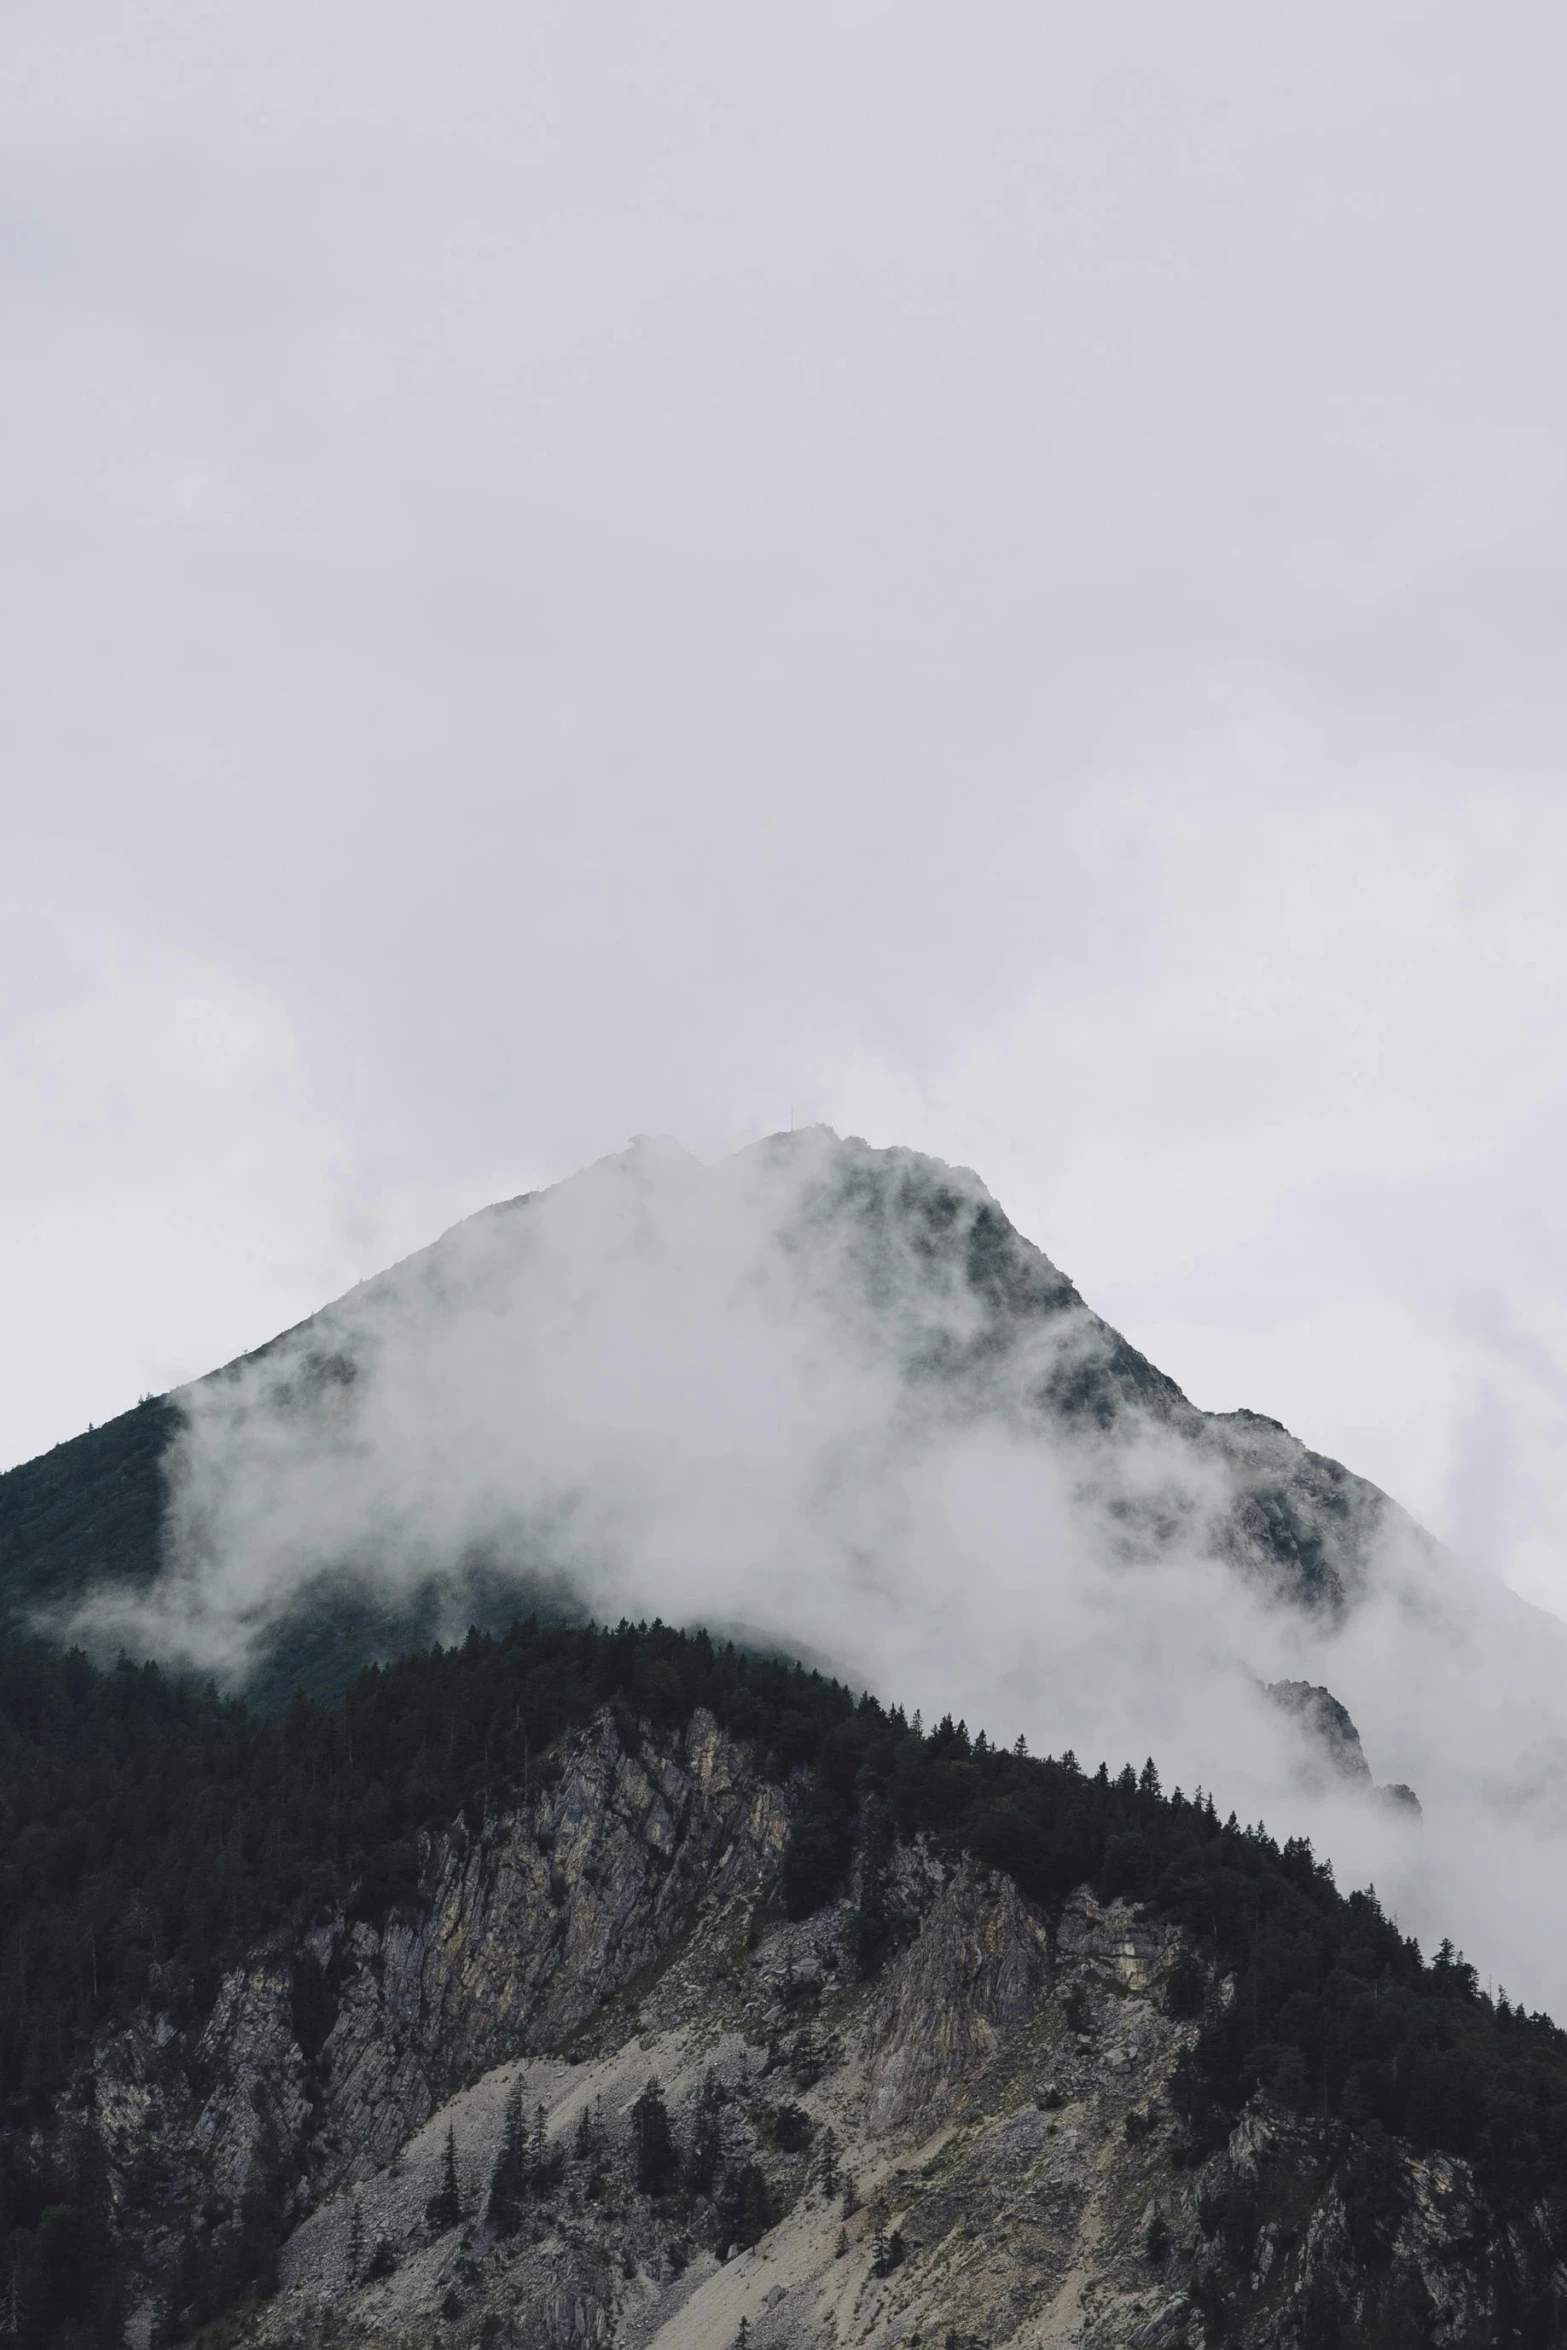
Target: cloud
[
  {"x": 769, "y": 1395},
  {"x": 171, "y": 1191},
  {"x": 1302, "y": 1147}
]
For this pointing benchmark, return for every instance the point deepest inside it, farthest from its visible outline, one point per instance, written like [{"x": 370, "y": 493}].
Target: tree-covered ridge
[
  {"x": 152, "y": 1831},
  {"x": 1333, "y": 2011}
]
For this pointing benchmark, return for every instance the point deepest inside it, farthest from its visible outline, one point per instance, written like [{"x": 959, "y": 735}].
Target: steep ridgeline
[
  {"x": 812, "y": 1310},
  {"x": 588, "y": 1988}
]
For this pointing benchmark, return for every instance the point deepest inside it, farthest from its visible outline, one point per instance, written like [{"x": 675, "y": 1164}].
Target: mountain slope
[
  {"x": 89, "y": 1510},
  {"x": 1026, "y": 2056}
]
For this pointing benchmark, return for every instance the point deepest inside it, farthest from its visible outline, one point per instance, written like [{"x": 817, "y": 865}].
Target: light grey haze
[{"x": 993, "y": 575}]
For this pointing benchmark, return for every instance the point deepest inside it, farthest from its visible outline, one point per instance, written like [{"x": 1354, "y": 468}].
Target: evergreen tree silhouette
[
  {"x": 444, "y": 2208},
  {"x": 657, "y": 2156},
  {"x": 509, "y": 2177}
]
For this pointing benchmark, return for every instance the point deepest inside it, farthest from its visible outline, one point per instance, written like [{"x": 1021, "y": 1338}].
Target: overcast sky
[{"x": 996, "y": 576}]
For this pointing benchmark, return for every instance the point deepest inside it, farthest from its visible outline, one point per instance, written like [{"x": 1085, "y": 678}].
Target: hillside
[{"x": 347, "y": 2026}]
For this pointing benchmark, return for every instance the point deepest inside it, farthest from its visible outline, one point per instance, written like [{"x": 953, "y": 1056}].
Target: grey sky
[{"x": 993, "y": 575}]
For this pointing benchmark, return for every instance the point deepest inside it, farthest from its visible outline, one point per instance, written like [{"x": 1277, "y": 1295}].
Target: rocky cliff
[{"x": 592, "y": 2086}]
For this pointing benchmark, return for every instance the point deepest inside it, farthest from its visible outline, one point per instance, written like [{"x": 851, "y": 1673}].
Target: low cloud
[{"x": 773, "y": 1395}]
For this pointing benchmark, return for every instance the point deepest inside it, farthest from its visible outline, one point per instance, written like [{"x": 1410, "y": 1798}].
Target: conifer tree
[
  {"x": 657, "y": 2157},
  {"x": 546, "y": 2164},
  {"x": 509, "y": 2178},
  {"x": 744, "y": 2208},
  {"x": 444, "y": 2208}
]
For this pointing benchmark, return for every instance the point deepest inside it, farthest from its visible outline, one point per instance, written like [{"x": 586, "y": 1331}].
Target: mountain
[
  {"x": 638, "y": 1986},
  {"x": 828, "y": 1399},
  {"x": 594, "y": 1987},
  {"x": 910, "y": 1268}
]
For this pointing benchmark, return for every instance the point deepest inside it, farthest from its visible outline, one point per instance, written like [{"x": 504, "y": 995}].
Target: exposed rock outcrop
[
  {"x": 980, "y": 2144},
  {"x": 1333, "y": 1754},
  {"x": 523, "y": 1932}
]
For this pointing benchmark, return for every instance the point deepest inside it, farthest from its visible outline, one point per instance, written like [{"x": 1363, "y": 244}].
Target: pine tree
[
  {"x": 546, "y": 2164},
  {"x": 444, "y": 2208},
  {"x": 509, "y": 2178},
  {"x": 657, "y": 2157},
  {"x": 887, "y": 2251},
  {"x": 744, "y": 2208}
]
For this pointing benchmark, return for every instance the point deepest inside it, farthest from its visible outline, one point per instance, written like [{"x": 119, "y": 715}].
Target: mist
[{"x": 753, "y": 1396}]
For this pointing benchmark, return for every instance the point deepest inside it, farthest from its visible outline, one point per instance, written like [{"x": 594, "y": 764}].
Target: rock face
[
  {"x": 532, "y": 1926},
  {"x": 978, "y": 1966},
  {"x": 1327, "y": 1725},
  {"x": 1334, "y": 1754},
  {"x": 977, "y": 2145},
  {"x": 319, "y": 2063}
]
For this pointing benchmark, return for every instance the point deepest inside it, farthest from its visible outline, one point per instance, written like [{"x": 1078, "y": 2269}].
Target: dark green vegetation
[
  {"x": 87, "y": 1518},
  {"x": 89, "y": 1512},
  {"x": 1335, "y": 2013},
  {"x": 151, "y": 1830},
  {"x": 62, "y": 2276}
]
